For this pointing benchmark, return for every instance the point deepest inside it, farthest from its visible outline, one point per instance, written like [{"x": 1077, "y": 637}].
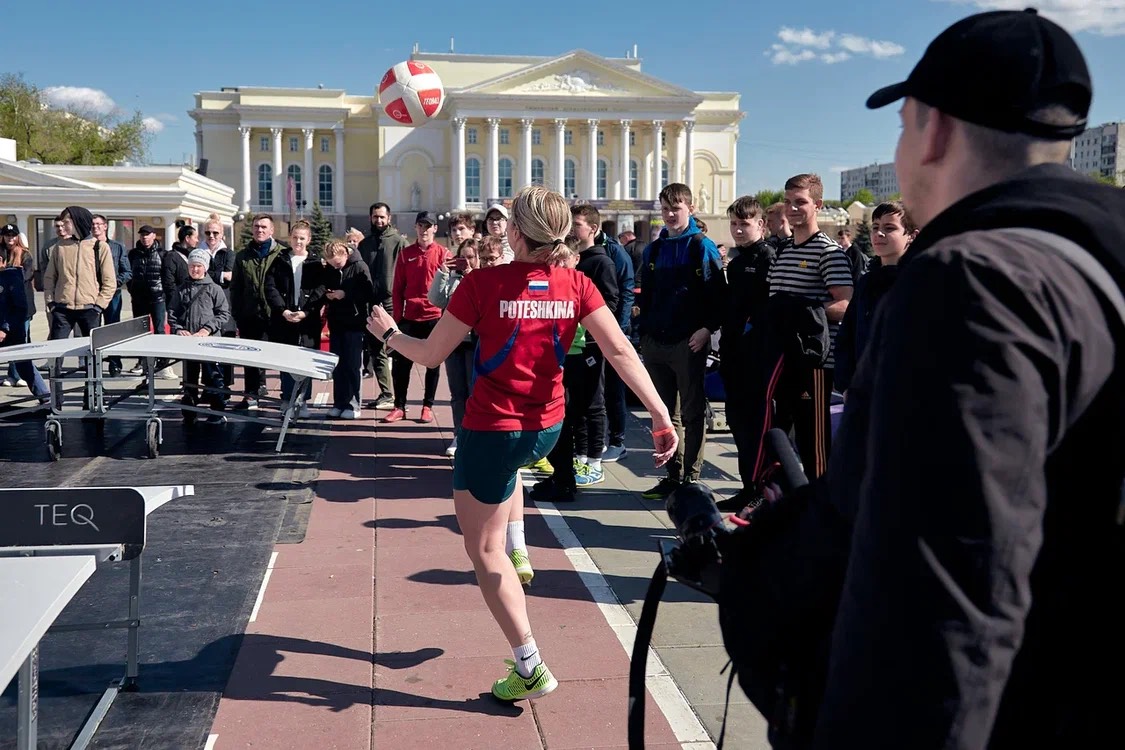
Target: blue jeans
[
  {"x": 112, "y": 314},
  {"x": 459, "y": 372},
  {"x": 26, "y": 370},
  {"x": 13, "y": 373}
]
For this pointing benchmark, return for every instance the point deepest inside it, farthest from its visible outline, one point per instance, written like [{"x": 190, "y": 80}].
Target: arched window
[
  {"x": 663, "y": 173},
  {"x": 570, "y": 183},
  {"x": 325, "y": 186},
  {"x": 472, "y": 179},
  {"x": 537, "y": 171},
  {"x": 634, "y": 173},
  {"x": 504, "y": 189},
  {"x": 603, "y": 187},
  {"x": 294, "y": 172},
  {"x": 265, "y": 185}
]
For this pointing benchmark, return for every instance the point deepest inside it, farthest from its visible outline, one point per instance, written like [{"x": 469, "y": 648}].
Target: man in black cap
[
  {"x": 379, "y": 250},
  {"x": 80, "y": 279},
  {"x": 979, "y": 459}
]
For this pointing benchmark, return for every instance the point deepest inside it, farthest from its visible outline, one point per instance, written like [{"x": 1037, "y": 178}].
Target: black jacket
[
  {"x": 223, "y": 260},
  {"x": 279, "y": 296},
  {"x": 147, "y": 283},
  {"x": 175, "y": 270},
  {"x": 595, "y": 263},
  {"x": 748, "y": 291},
  {"x": 855, "y": 328},
  {"x": 350, "y": 313},
  {"x": 379, "y": 250},
  {"x": 979, "y": 459}
]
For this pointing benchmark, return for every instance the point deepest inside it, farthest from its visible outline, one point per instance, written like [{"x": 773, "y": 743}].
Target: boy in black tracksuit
[
  {"x": 583, "y": 432},
  {"x": 349, "y": 292},
  {"x": 748, "y": 291}
]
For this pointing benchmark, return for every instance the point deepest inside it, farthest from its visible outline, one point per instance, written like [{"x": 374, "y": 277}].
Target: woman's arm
[
  {"x": 428, "y": 352},
  {"x": 623, "y": 358}
]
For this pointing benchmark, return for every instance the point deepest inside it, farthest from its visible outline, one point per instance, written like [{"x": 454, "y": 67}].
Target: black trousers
[
  {"x": 253, "y": 330},
  {"x": 400, "y": 372},
  {"x": 64, "y": 320},
  {"x": 791, "y": 395},
  {"x": 212, "y": 381},
  {"x": 616, "y": 411},
  {"x": 738, "y": 418},
  {"x": 588, "y": 394}
]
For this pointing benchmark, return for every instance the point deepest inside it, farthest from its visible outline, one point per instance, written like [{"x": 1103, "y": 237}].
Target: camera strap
[{"x": 639, "y": 662}]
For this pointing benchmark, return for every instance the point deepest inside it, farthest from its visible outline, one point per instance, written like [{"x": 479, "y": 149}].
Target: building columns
[
  {"x": 689, "y": 155},
  {"x": 278, "y": 180},
  {"x": 560, "y": 157},
  {"x": 245, "y": 133},
  {"x": 592, "y": 159},
  {"x": 493, "y": 188},
  {"x": 458, "y": 163},
  {"x": 308, "y": 179},
  {"x": 339, "y": 204},
  {"x": 525, "y": 153},
  {"x": 657, "y": 153},
  {"x": 626, "y": 173},
  {"x": 198, "y": 146}
]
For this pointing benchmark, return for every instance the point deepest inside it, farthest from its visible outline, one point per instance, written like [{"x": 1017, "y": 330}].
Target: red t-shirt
[{"x": 525, "y": 315}]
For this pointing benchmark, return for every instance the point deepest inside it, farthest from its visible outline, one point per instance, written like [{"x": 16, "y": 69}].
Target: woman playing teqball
[{"x": 525, "y": 314}]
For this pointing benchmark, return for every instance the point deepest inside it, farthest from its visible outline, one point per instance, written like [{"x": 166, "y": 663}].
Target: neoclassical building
[{"x": 598, "y": 129}]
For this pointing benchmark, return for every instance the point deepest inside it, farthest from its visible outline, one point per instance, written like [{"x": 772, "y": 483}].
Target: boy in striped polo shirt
[{"x": 812, "y": 266}]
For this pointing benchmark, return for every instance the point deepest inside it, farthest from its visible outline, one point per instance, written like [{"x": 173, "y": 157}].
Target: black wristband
[{"x": 388, "y": 333}]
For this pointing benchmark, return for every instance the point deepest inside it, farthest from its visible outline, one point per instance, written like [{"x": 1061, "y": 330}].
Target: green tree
[
  {"x": 1104, "y": 179},
  {"x": 321, "y": 230},
  {"x": 70, "y": 136},
  {"x": 863, "y": 238},
  {"x": 769, "y": 197},
  {"x": 245, "y": 235},
  {"x": 864, "y": 196},
  {"x": 894, "y": 197}
]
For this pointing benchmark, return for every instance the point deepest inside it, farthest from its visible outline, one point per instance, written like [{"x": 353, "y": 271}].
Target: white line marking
[
  {"x": 262, "y": 590},
  {"x": 211, "y": 740},
  {"x": 320, "y": 399},
  {"x": 681, "y": 717}
]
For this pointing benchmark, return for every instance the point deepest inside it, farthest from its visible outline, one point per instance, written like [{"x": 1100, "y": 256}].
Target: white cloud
[
  {"x": 152, "y": 124},
  {"x": 80, "y": 99},
  {"x": 863, "y": 46},
  {"x": 838, "y": 169},
  {"x": 806, "y": 37},
  {"x": 1104, "y": 17},
  {"x": 166, "y": 117},
  {"x": 779, "y": 54},
  {"x": 829, "y": 47}
]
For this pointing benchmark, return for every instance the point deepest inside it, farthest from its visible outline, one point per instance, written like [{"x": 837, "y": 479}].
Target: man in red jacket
[{"x": 415, "y": 269}]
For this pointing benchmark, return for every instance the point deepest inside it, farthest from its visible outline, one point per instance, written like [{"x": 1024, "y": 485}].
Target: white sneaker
[
  {"x": 21, "y": 383},
  {"x": 166, "y": 374},
  {"x": 452, "y": 449},
  {"x": 7, "y": 382},
  {"x": 139, "y": 369},
  {"x": 349, "y": 414},
  {"x": 304, "y": 412},
  {"x": 335, "y": 413}
]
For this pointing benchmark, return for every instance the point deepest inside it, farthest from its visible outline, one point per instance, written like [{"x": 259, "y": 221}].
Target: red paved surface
[{"x": 372, "y": 632}]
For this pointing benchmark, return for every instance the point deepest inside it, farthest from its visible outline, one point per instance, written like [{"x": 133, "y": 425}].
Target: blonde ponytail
[{"x": 542, "y": 216}]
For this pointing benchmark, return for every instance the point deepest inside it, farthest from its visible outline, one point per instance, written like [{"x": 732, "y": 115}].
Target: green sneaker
[
  {"x": 523, "y": 566},
  {"x": 542, "y": 466},
  {"x": 515, "y": 687},
  {"x": 663, "y": 489}
]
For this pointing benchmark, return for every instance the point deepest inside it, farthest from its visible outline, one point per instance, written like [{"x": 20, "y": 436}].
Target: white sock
[
  {"x": 527, "y": 658},
  {"x": 581, "y": 459},
  {"x": 595, "y": 464},
  {"x": 515, "y": 537}
]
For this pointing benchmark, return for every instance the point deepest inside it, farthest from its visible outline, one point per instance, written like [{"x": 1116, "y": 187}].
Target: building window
[
  {"x": 504, "y": 136},
  {"x": 537, "y": 171},
  {"x": 663, "y": 172},
  {"x": 634, "y": 173},
  {"x": 325, "y": 186},
  {"x": 264, "y": 143},
  {"x": 601, "y": 137},
  {"x": 505, "y": 176},
  {"x": 294, "y": 173},
  {"x": 324, "y": 144},
  {"x": 603, "y": 179},
  {"x": 663, "y": 138},
  {"x": 568, "y": 138},
  {"x": 265, "y": 185},
  {"x": 470, "y": 135},
  {"x": 632, "y": 138},
  {"x": 536, "y": 137},
  {"x": 569, "y": 181},
  {"x": 472, "y": 179},
  {"x": 293, "y": 144}
]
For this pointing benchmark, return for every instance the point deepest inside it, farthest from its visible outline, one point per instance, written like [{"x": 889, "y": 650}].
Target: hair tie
[{"x": 556, "y": 243}]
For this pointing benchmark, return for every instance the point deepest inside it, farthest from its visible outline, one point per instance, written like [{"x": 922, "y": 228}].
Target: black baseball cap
[
  {"x": 10, "y": 230},
  {"x": 425, "y": 217},
  {"x": 146, "y": 229},
  {"x": 996, "y": 69}
]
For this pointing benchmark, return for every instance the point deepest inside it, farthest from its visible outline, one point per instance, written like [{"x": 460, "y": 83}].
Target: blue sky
[{"x": 804, "y": 69}]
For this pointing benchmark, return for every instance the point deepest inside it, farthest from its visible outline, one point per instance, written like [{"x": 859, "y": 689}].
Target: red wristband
[{"x": 665, "y": 431}]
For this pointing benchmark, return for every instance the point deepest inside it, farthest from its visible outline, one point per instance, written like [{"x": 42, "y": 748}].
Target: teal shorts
[{"x": 487, "y": 463}]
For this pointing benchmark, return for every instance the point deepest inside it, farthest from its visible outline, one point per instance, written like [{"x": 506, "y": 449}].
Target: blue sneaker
[{"x": 587, "y": 475}]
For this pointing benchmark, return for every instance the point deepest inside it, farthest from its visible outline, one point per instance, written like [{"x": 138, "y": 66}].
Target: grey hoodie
[{"x": 198, "y": 304}]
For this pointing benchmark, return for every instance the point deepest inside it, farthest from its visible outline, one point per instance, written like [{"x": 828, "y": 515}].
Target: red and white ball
[{"x": 411, "y": 93}]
